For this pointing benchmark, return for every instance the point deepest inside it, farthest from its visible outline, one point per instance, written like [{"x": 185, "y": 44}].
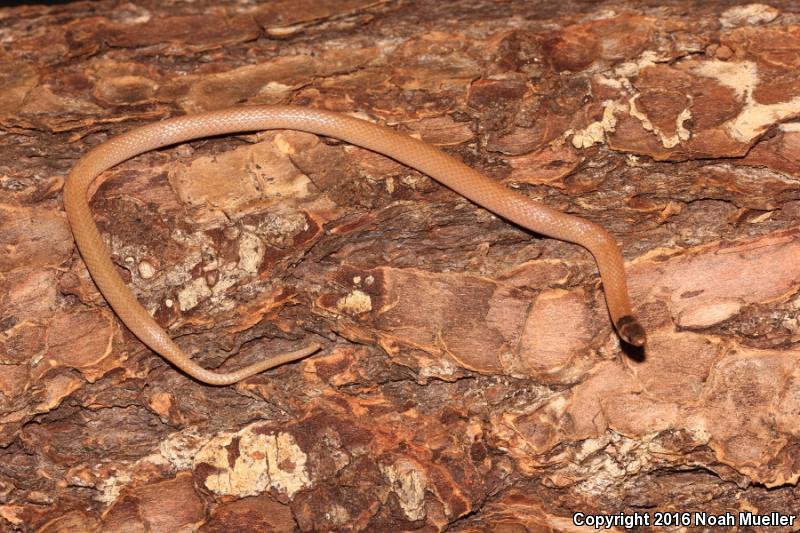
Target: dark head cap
[{"x": 631, "y": 331}]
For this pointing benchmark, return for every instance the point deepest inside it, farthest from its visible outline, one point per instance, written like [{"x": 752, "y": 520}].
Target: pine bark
[{"x": 470, "y": 379}]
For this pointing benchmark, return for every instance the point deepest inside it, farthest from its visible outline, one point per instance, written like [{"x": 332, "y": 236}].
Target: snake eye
[{"x": 631, "y": 331}]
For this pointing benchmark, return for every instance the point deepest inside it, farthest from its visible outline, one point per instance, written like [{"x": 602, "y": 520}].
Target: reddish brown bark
[{"x": 470, "y": 377}]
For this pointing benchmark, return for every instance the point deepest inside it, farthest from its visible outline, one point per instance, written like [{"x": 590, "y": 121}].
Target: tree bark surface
[{"x": 470, "y": 378}]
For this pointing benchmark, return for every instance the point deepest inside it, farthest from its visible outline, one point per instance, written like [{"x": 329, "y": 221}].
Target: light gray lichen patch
[
  {"x": 596, "y": 131},
  {"x": 355, "y": 302},
  {"x": 280, "y": 226},
  {"x": 748, "y": 15},
  {"x": 743, "y": 78},
  {"x": 192, "y": 294},
  {"x": 251, "y": 252},
  {"x": 264, "y": 461},
  {"x": 408, "y": 482},
  {"x": 667, "y": 141}
]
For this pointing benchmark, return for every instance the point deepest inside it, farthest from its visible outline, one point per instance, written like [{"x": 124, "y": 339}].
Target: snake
[{"x": 486, "y": 192}]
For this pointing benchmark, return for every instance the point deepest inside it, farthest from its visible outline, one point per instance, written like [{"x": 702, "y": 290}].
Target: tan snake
[{"x": 480, "y": 189}]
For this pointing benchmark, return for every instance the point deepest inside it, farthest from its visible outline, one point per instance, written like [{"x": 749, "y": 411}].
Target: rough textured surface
[{"x": 470, "y": 379}]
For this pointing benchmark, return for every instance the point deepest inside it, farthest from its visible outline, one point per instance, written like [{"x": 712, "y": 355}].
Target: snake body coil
[{"x": 416, "y": 154}]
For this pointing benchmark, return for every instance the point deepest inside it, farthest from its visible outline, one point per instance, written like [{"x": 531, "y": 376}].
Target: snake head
[{"x": 631, "y": 331}]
